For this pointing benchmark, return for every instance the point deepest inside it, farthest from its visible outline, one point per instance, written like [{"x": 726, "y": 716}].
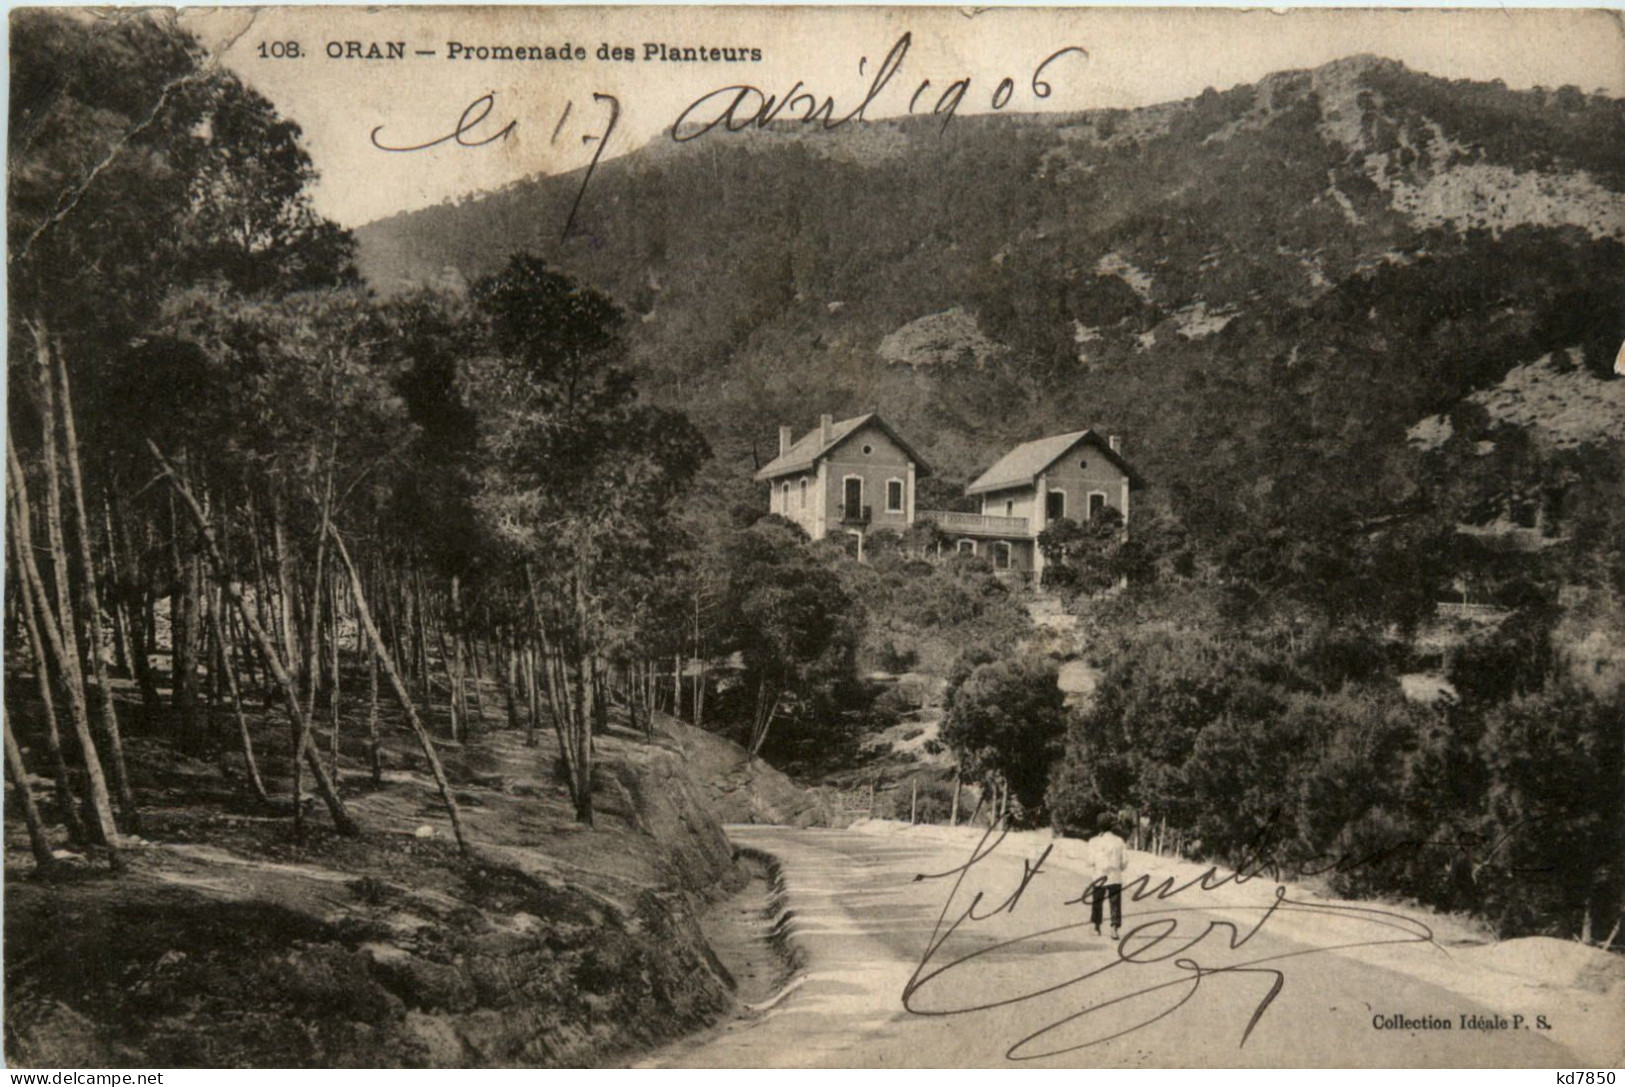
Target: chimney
[
  {"x": 1116, "y": 443},
  {"x": 826, "y": 427},
  {"x": 785, "y": 440}
]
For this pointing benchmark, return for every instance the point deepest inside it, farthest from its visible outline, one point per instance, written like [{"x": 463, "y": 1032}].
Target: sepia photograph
[{"x": 814, "y": 537}]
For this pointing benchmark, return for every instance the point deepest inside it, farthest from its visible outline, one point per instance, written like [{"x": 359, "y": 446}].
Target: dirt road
[{"x": 1209, "y": 976}]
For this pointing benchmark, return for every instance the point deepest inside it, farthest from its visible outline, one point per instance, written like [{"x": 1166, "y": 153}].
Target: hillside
[
  {"x": 1316, "y": 261},
  {"x": 222, "y": 943}
]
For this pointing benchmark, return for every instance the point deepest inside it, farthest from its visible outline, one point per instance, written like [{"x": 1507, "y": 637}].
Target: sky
[{"x": 351, "y": 107}]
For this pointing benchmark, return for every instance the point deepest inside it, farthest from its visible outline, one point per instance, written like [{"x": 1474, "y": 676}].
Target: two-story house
[
  {"x": 850, "y": 476},
  {"x": 1072, "y": 475},
  {"x": 858, "y": 474}
]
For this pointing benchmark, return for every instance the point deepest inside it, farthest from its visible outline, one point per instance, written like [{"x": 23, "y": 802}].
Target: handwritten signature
[{"x": 1171, "y": 954}]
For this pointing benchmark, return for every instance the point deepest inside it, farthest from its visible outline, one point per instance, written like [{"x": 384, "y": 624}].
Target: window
[
  {"x": 1084, "y": 464},
  {"x": 852, "y": 498},
  {"x": 868, "y": 450},
  {"x": 894, "y": 496},
  {"x": 1001, "y": 556},
  {"x": 1097, "y": 502},
  {"x": 1055, "y": 506},
  {"x": 1009, "y": 507},
  {"x": 803, "y": 494},
  {"x": 967, "y": 547},
  {"x": 784, "y": 498}
]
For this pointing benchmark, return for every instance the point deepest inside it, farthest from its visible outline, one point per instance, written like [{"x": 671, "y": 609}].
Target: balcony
[
  {"x": 856, "y": 515},
  {"x": 975, "y": 524}
]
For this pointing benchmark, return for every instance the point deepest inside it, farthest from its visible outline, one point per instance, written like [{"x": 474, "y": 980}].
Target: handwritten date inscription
[
  {"x": 734, "y": 108},
  {"x": 744, "y": 105}
]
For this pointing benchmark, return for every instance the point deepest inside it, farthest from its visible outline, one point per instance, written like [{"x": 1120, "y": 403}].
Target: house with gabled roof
[
  {"x": 848, "y": 476},
  {"x": 1075, "y": 475},
  {"x": 858, "y": 474}
]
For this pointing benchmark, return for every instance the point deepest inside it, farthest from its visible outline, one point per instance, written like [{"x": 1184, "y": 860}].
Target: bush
[
  {"x": 1556, "y": 808},
  {"x": 1005, "y": 721}
]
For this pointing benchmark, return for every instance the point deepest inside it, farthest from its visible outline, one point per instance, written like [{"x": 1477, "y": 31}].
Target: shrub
[{"x": 1005, "y": 721}]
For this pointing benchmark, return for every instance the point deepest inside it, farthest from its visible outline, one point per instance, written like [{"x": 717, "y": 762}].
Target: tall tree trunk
[
  {"x": 422, "y": 626},
  {"x": 587, "y": 715},
  {"x": 115, "y": 596},
  {"x": 474, "y": 679},
  {"x": 252, "y": 765},
  {"x": 533, "y": 708},
  {"x": 586, "y": 709},
  {"x": 313, "y": 617},
  {"x": 374, "y": 752},
  {"x": 262, "y": 587},
  {"x": 183, "y": 639},
  {"x": 453, "y": 703},
  {"x": 182, "y": 669},
  {"x": 649, "y": 692},
  {"x": 142, "y": 627},
  {"x": 242, "y": 660},
  {"x": 103, "y": 828},
  {"x": 767, "y": 708},
  {"x": 144, "y": 635},
  {"x": 402, "y": 695},
  {"x": 279, "y": 541},
  {"x": 509, "y": 649},
  {"x": 66, "y": 800},
  {"x": 342, "y": 819},
  {"x": 88, "y": 598},
  {"x": 298, "y": 722},
  {"x": 677, "y": 685},
  {"x": 455, "y": 664},
  {"x": 38, "y": 839},
  {"x": 333, "y": 689},
  {"x": 61, "y": 576}
]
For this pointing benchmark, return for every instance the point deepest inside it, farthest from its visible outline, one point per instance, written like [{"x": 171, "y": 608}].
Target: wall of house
[
  {"x": 1020, "y": 500},
  {"x": 1081, "y": 471},
  {"x": 1021, "y": 551},
  {"x": 800, "y": 506},
  {"x": 884, "y": 461}
]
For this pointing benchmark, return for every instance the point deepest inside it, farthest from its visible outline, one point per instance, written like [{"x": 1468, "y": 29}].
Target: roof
[
  {"x": 1027, "y": 461},
  {"x": 804, "y": 454}
]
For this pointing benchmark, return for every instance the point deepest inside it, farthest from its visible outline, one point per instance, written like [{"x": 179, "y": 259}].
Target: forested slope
[{"x": 1263, "y": 287}]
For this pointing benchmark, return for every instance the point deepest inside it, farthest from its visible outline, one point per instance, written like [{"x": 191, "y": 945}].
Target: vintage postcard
[{"x": 802, "y": 537}]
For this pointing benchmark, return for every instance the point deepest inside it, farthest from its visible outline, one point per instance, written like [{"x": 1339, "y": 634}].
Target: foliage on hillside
[
  {"x": 1294, "y": 751},
  {"x": 1228, "y": 280}
]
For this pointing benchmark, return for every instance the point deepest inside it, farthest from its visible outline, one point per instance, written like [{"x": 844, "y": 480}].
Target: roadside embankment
[
  {"x": 225, "y": 944},
  {"x": 740, "y": 789}
]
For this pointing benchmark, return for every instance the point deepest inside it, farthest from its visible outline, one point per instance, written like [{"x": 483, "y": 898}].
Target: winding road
[{"x": 1210, "y": 976}]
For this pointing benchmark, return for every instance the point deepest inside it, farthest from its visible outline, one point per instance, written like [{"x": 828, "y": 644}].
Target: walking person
[{"x": 1106, "y": 851}]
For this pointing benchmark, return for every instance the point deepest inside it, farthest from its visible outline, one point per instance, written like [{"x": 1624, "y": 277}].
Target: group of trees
[
  {"x": 222, "y": 445},
  {"x": 1251, "y": 708},
  {"x": 1299, "y": 754}
]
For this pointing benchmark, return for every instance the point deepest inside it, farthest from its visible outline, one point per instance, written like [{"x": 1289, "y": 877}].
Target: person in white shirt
[{"x": 1106, "y": 851}]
